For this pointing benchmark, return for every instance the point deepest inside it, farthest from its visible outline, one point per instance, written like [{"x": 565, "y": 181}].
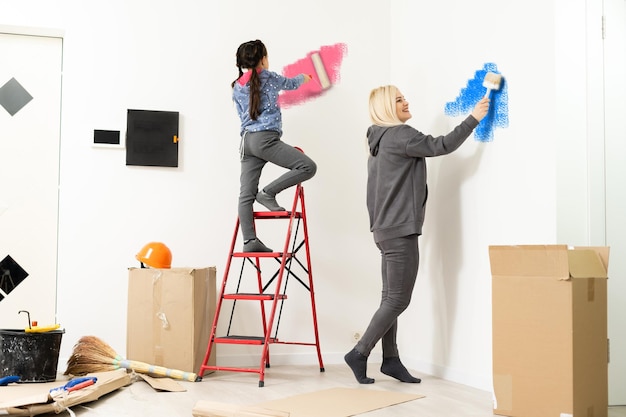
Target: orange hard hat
[{"x": 155, "y": 255}]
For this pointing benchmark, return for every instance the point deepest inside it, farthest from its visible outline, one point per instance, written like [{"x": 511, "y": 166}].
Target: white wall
[
  {"x": 162, "y": 55},
  {"x": 501, "y": 192}
]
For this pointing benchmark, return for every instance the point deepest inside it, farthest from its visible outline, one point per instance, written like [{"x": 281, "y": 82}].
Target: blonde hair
[{"x": 382, "y": 106}]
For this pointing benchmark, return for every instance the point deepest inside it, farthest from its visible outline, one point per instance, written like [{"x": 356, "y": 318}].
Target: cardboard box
[
  {"x": 550, "y": 348},
  {"x": 170, "y": 313}
]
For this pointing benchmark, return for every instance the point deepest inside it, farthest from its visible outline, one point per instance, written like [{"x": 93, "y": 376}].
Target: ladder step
[
  {"x": 244, "y": 340},
  {"x": 254, "y": 296},
  {"x": 260, "y": 255},
  {"x": 276, "y": 215}
]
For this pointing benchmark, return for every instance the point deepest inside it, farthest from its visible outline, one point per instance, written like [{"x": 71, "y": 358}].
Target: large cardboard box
[
  {"x": 170, "y": 313},
  {"x": 550, "y": 348}
]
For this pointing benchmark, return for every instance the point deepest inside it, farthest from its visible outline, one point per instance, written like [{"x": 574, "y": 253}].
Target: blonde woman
[{"x": 396, "y": 202}]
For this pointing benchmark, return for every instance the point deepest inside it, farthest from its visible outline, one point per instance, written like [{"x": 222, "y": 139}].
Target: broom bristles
[{"x": 92, "y": 354}]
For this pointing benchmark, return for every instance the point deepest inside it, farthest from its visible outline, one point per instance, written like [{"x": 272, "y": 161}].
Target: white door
[
  {"x": 30, "y": 114},
  {"x": 615, "y": 145}
]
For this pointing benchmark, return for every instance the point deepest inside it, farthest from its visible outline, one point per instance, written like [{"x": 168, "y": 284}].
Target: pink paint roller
[
  {"x": 320, "y": 70},
  {"x": 324, "y": 65}
]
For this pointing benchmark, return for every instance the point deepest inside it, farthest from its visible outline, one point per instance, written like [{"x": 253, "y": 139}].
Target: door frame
[
  {"x": 613, "y": 69},
  {"x": 43, "y": 32}
]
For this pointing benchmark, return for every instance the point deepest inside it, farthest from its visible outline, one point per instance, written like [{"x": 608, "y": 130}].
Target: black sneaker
[
  {"x": 255, "y": 245},
  {"x": 268, "y": 201}
]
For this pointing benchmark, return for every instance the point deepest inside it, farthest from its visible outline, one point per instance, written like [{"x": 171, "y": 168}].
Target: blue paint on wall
[{"x": 498, "y": 115}]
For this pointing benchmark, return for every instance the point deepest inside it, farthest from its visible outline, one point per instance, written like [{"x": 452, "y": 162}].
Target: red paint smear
[{"x": 331, "y": 56}]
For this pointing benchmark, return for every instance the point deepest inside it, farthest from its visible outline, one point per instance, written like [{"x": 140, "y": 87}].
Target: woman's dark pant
[{"x": 400, "y": 261}]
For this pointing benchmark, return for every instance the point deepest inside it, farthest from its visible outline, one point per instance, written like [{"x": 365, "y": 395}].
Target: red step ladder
[{"x": 268, "y": 288}]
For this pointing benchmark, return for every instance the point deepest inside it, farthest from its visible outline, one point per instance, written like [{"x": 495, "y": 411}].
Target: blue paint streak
[{"x": 498, "y": 115}]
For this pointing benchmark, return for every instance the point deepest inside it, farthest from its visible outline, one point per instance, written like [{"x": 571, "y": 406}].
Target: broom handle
[{"x": 145, "y": 368}]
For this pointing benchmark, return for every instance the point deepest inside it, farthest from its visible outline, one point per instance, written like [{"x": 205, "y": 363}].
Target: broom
[{"x": 91, "y": 354}]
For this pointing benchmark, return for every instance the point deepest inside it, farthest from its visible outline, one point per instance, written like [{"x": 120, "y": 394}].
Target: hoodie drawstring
[{"x": 242, "y": 151}]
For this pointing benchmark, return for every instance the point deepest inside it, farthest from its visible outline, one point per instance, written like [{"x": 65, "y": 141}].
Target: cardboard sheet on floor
[
  {"x": 338, "y": 402},
  {"x": 334, "y": 402},
  {"x": 204, "y": 408},
  {"x": 162, "y": 384},
  {"x": 32, "y": 399}
]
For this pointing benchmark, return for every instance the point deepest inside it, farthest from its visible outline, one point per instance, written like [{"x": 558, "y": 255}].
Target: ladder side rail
[
  {"x": 295, "y": 246},
  {"x": 311, "y": 287},
  {"x": 304, "y": 242},
  {"x": 286, "y": 263},
  {"x": 305, "y": 230},
  {"x": 219, "y": 301},
  {"x": 289, "y": 272},
  {"x": 265, "y": 355}
]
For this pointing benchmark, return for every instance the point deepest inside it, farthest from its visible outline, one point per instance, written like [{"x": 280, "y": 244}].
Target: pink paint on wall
[{"x": 331, "y": 57}]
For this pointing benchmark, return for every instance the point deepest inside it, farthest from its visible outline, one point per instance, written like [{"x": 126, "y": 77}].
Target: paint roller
[{"x": 320, "y": 70}]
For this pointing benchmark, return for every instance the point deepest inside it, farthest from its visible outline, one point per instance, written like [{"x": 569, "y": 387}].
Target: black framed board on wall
[{"x": 152, "y": 138}]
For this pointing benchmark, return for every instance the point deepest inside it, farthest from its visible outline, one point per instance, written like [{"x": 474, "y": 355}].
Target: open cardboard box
[{"x": 550, "y": 347}]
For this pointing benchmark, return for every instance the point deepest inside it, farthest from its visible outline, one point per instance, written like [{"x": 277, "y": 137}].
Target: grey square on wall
[{"x": 13, "y": 97}]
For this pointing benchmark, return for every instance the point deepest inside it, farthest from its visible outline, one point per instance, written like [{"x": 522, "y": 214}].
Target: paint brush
[{"x": 491, "y": 82}]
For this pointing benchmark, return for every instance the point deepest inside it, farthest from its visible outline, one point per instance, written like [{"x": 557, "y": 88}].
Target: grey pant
[
  {"x": 258, "y": 148},
  {"x": 400, "y": 261}
]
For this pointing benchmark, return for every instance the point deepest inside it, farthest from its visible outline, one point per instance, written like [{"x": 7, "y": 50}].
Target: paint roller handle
[{"x": 145, "y": 368}]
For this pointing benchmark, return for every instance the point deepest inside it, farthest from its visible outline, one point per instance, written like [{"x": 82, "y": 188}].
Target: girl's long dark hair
[{"x": 248, "y": 56}]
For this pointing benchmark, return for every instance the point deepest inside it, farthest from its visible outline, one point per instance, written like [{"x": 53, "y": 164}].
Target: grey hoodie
[{"x": 396, "y": 168}]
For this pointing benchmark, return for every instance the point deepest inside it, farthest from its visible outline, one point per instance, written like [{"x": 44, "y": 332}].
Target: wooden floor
[{"x": 442, "y": 398}]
